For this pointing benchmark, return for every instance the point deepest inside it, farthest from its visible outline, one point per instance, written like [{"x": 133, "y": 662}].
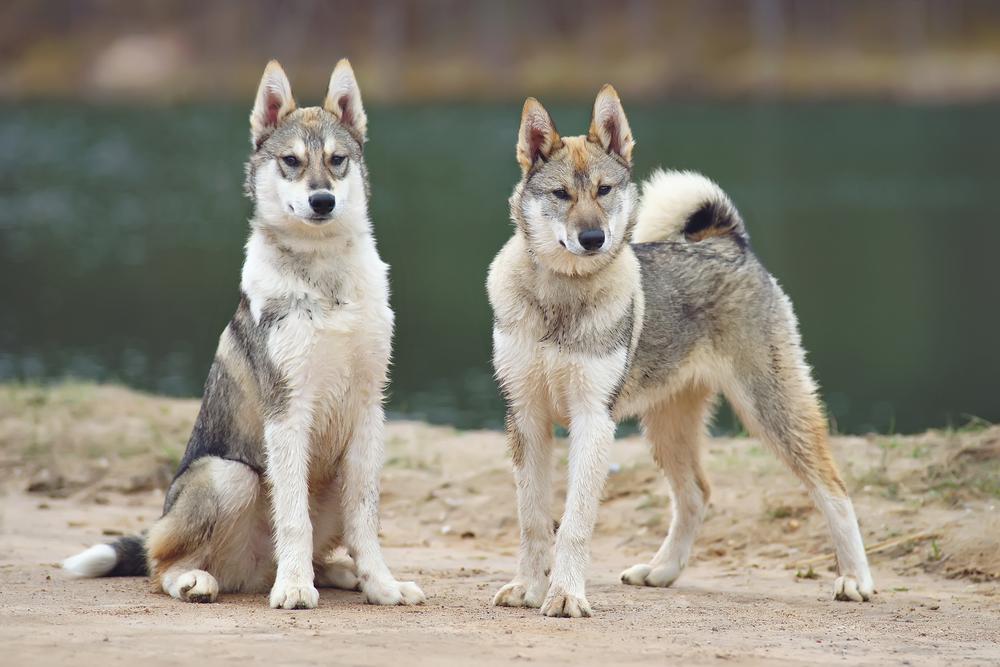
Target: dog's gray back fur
[
  {"x": 230, "y": 421},
  {"x": 693, "y": 293}
]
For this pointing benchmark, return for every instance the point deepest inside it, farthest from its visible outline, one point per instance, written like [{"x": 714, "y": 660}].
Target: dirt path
[{"x": 449, "y": 524}]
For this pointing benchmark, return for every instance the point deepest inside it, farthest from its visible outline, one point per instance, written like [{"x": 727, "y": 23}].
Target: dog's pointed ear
[
  {"x": 609, "y": 127},
  {"x": 274, "y": 102},
  {"x": 343, "y": 99},
  {"x": 537, "y": 137}
]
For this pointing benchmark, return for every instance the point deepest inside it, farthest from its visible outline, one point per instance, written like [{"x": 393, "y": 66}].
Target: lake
[{"x": 121, "y": 234}]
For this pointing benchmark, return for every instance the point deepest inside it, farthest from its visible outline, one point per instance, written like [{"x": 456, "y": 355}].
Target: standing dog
[
  {"x": 590, "y": 329},
  {"x": 283, "y": 465}
]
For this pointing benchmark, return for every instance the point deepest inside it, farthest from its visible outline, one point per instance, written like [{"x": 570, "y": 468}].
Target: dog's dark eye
[
  {"x": 337, "y": 160},
  {"x": 603, "y": 190},
  {"x": 290, "y": 160},
  {"x": 561, "y": 193}
]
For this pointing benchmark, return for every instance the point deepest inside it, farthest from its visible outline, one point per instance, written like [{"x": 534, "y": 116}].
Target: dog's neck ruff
[{"x": 284, "y": 264}]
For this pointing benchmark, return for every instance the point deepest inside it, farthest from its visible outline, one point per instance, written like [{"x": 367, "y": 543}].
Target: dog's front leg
[
  {"x": 590, "y": 438},
  {"x": 362, "y": 468},
  {"x": 287, "y": 444},
  {"x": 591, "y": 433},
  {"x": 529, "y": 434}
]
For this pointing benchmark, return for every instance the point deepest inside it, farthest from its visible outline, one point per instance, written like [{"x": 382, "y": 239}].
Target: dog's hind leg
[
  {"x": 337, "y": 570},
  {"x": 775, "y": 398},
  {"x": 676, "y": 429},
  {"x": 190, "y": 585},
  {"x": 333, "y": 566},
  {"x": 203, "y": 536}
]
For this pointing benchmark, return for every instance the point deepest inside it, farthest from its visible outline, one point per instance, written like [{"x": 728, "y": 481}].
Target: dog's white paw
[
  {"x": 338, "y": 575},
  {"x": 561, "y": 604},
  {"x": 516, "y": 594},
  {"x": 294, "y": 595},
  {"x": 197, "y": 586},
  {"x": 636, "y": 575},
  {"x": 645, "y": 575},
  {"x": 849, "y": 589},
  {"x": 393, "y": 592}
]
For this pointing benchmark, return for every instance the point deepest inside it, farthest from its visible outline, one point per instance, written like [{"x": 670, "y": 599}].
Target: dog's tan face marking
[
  {"x": 321, "y": 150},
  {"x": 577, "y": 148}
]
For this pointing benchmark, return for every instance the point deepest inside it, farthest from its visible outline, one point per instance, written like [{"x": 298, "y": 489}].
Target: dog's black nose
[
  {"x": 322, "y": 202},
  {"x": 592, "y": 239}
]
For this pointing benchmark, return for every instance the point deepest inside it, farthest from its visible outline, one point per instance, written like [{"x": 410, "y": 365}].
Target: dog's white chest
[
  {"x": 331, "y": 346},
  {"x": 566, "y": 382},
  {"x": 328, "y": 326}
]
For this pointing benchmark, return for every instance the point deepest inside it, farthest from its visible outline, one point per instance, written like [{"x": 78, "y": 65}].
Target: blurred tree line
[{"x": 416, "y": 50}]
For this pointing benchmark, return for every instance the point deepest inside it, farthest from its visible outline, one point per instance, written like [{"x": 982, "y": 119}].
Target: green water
[{"x": 121, "y": 233}]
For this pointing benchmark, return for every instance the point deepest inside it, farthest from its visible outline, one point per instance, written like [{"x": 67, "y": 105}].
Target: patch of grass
[
  {"x": 650, "y": 501},
  {"x": 808, "y": 574},
  {"x": 876, "y": 479},
  {"x": 973, "y": 424},
  {"x": 779, "y": 512},
  {"x": 399, "y": 462},
  {"x": 36, "y": 399},
  {"x": 171, "y": 456},
  {"x": 94, "y": 450},
  {"x": 988, "y": 485},
  {"x": 900, "y": 589},
  {"x": 35, "y": 450},
  {"x": 957, "y": 481},
  {"x": 128, "y": 451},
  {"x": 886, "y": 446},
  {"x": 407, "y": 463},
  {"x": 935, "y": 554},
  {"x": 944, "y": 485}
]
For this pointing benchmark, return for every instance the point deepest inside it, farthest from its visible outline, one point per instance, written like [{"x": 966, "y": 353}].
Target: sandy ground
[{"x": 757, "y": 591}]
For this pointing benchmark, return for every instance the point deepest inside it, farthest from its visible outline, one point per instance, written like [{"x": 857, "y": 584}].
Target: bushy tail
[
  {"x": 125, "y": 557},
  {"x": 685, "y": 204}
]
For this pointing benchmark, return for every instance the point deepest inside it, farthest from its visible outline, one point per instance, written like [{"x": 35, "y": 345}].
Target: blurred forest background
[
  {"x": 858, "y": 138},
  {"x": 421, "y": 50}
]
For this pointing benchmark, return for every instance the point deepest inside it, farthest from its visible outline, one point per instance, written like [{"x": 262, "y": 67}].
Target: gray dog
[{"x": 606, "y": 309}]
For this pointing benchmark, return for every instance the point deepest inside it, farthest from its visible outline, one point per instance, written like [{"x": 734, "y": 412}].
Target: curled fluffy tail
[
  {"x": 125, "y": 557},
  {"x": 684, "y": 204}
]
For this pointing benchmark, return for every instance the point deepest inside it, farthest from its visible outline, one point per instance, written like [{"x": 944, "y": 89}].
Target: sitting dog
[
  {"x": 282, "y": 469},
  {"x": 605, "y": 309}
]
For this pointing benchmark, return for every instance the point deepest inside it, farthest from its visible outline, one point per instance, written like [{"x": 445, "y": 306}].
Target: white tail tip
[{"x": 96, "y": 561}]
